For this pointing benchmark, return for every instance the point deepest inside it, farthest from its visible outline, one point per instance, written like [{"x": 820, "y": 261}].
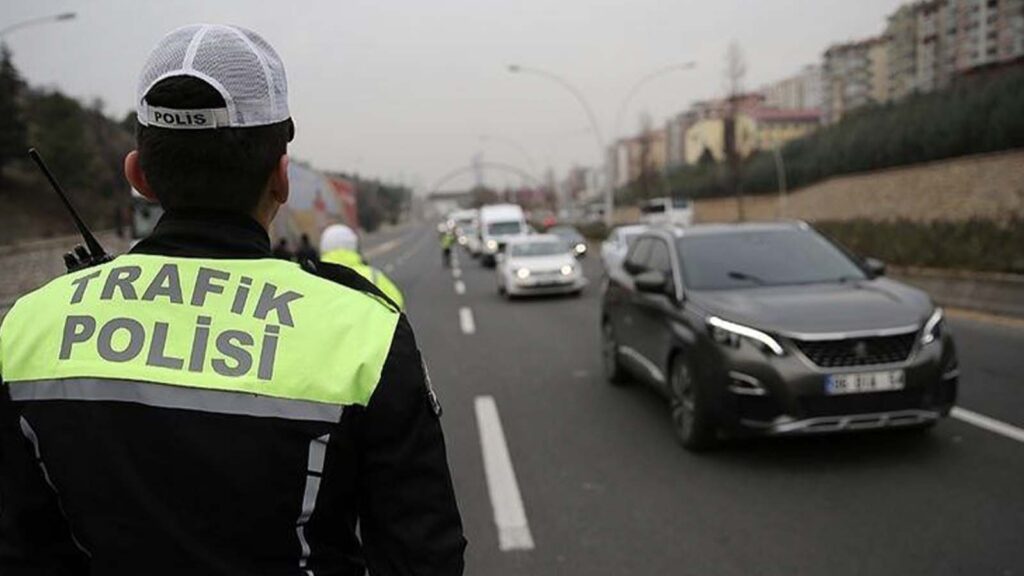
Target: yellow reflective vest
[{"x": 354, "y": 261}]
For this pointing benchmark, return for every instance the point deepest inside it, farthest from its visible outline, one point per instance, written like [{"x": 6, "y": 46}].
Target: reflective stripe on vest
[{"x": 262, "y": 327}]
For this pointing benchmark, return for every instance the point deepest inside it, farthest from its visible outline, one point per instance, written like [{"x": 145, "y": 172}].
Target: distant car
[
  {"x": 572, "y": 237},
  {"x": 498, "y": 223},
  {"x": 667, "y": 211},
  {"x": 469, "y": 238},
  {"x": 539, "y": 264},
  {"x": 771, "y": 329},
  {"x": 613, "y": 249}
]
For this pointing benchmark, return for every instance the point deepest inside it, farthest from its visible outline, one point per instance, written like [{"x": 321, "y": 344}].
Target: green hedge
[
  {"x": 969, "y": 245},
  {"x": 977, "y": 115}
]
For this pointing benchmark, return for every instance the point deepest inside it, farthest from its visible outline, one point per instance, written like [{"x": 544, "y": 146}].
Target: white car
[
  {"x": 469, "y": 238},
  {"x": 667, "y": 211},
  {"x": 613, "y": 250},
  {"x": 539, "y": 264}
]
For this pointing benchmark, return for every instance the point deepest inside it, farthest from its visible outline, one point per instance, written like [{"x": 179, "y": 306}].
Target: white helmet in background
[{"x": 338, "y": 237}]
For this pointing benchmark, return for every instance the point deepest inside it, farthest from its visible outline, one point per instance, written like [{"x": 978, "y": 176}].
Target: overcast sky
[{"x": 404, "y": 89}]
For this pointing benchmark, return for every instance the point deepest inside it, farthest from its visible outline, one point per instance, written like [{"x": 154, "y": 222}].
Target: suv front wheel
[{"x": 691, "y": 419}]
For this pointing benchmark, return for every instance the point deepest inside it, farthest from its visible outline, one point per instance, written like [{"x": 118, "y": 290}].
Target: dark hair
[{"x": 221, "y": 169}]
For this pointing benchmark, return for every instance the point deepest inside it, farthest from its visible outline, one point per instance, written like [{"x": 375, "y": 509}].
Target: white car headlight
[
  {"x": 567, "y": 270},
  {"x": 730, "y": 333},
  {"x": 523, "y": 273},
  {"x": 932, "y": 328},
  {"x": 492, "y": 244}
]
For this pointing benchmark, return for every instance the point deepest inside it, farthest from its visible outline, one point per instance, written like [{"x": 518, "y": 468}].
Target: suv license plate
[{"x": 857, "y": 383}]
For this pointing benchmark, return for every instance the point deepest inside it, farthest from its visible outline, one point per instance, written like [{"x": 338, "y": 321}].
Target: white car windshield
[{"x": 546, "y": 248}]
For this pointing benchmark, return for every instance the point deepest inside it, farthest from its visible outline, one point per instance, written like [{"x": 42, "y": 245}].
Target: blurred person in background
[
  {"x": 447, "y": 241},
  {"x": 339, "y": 244},
  {"x": 306, "y": 252},
  {"x": 282, "y": 251}
]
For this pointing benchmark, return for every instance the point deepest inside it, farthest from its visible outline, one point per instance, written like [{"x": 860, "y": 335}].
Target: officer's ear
[
  {"x": 278, "y": 182},
  {"x": 136, "y": 177}
]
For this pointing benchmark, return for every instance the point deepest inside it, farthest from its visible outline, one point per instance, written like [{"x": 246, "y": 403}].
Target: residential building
[
  {"x": 801, "y": 91},
  {"x": 934, "y": 41},
  {"x": 758, "y": 128},
  {"x": 851, "y": 74},
  {"x": 902, "y": 32}
]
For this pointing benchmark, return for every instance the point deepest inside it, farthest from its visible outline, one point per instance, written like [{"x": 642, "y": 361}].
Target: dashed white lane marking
[
  {"x": 460, "y": 287},
  {"x": 466, "y": 320},
  {"x": 509, "y": 514},
  {"x": 456, "y": 273},
  {"x": 990, "y": 424}
]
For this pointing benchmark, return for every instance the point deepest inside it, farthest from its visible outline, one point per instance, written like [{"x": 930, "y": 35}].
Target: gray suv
[{"x": 772, "y": 329}]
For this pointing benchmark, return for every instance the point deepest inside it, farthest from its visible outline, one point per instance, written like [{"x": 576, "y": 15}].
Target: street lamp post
[
  {"x": 685, "y": 66},
  {"x": 609, "y": 201},
  {"x": 37, "y": 21},
  {"x": 780, "y": 171},
  {"x": 514, "y": 144}
]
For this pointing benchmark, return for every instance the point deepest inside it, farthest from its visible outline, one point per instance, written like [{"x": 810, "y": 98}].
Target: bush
[{"x": 967, "y": 245}]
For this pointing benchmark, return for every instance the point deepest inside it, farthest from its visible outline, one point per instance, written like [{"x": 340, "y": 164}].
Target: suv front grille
[{"x": 866, "y": 351}]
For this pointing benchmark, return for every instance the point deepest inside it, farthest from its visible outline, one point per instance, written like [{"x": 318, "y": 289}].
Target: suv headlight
[
  {"x": 932, "y": 330},
  {"x": 523, "y": 273},
  {"x": 730, "y": 334}
]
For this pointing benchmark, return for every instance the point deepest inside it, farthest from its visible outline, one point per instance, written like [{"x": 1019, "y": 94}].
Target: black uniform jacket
[{"x": 111, "y": 488}]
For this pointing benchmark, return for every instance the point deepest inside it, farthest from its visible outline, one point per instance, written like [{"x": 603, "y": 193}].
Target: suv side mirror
[
  {"x": 651, "y": 281},
  {"x": 875, "y": 266}
]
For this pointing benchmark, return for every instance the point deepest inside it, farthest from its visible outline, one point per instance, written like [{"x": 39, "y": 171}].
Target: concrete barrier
[{"x": 1000, "y": 294}]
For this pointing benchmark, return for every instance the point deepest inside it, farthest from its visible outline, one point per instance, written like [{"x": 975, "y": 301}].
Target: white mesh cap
[
  {"x": 338, "y": 237},
  {"x": 237, "y": 62}
]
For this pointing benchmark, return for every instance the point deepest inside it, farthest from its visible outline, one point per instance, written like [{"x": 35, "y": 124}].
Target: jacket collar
[{"x": 206, "y": 234}]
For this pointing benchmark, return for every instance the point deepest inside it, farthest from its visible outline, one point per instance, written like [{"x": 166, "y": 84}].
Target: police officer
[
  {"x": 198, "y": 407},
  {"x": 340, "y": 245}
]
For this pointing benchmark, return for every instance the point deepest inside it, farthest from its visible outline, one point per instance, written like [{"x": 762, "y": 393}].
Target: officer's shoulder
[{"x": 349, "y": 278}]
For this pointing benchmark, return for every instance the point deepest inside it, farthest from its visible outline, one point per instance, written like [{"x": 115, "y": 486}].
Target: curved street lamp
[
  {"x": 37, "y": 21},
  {"x": 609, "y": 200},
  {"x": 685, "y": 66},
  {"x": 513, "y": 144}
]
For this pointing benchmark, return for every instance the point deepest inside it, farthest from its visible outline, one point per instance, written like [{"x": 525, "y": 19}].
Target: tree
[
  {"x": 735, "y": 72},
  {"x": 13, "y": 129},
  {"x": 647, "y": 183}
]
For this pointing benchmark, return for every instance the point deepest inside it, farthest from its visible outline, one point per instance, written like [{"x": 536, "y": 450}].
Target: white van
[
  {"x": 666, "y": 211},
  {"x": 498, "y": 223}
]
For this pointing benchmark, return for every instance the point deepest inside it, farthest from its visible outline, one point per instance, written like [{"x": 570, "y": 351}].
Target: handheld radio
[{"x": 80, "y": 256}]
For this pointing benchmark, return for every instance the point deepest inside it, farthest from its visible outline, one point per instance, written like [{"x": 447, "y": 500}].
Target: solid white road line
[
  {"x": 509, "y": 514},
  {"x": 460, "y": 287},
  {"x": 466, "y": 320},
  {"x": 990, "y": 424}
]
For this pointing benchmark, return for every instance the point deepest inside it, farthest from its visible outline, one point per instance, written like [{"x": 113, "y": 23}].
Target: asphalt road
[{"x": 605, "y": 489}]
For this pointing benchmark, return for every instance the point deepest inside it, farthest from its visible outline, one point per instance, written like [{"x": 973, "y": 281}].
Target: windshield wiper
[{"x": 735, "y": 275}]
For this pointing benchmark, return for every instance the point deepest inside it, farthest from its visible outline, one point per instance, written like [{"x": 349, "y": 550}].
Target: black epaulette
[{"x": 349, "y": 278}]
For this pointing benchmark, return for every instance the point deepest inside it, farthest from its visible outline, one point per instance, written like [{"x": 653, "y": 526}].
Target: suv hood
[{"x": 865, "y": 305}]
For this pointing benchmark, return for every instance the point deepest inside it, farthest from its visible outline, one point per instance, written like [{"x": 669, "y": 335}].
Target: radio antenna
[{"x": 96, "y": 251}]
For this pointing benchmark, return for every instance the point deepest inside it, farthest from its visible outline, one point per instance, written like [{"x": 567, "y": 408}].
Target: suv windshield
[
  {"x": 747, "y": 258},
  {"x": 504, "y": 228},
  {"x": 545, "y": 248}
]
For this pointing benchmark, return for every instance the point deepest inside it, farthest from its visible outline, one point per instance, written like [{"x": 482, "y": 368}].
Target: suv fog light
[{"x": 745, "y": 385}]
